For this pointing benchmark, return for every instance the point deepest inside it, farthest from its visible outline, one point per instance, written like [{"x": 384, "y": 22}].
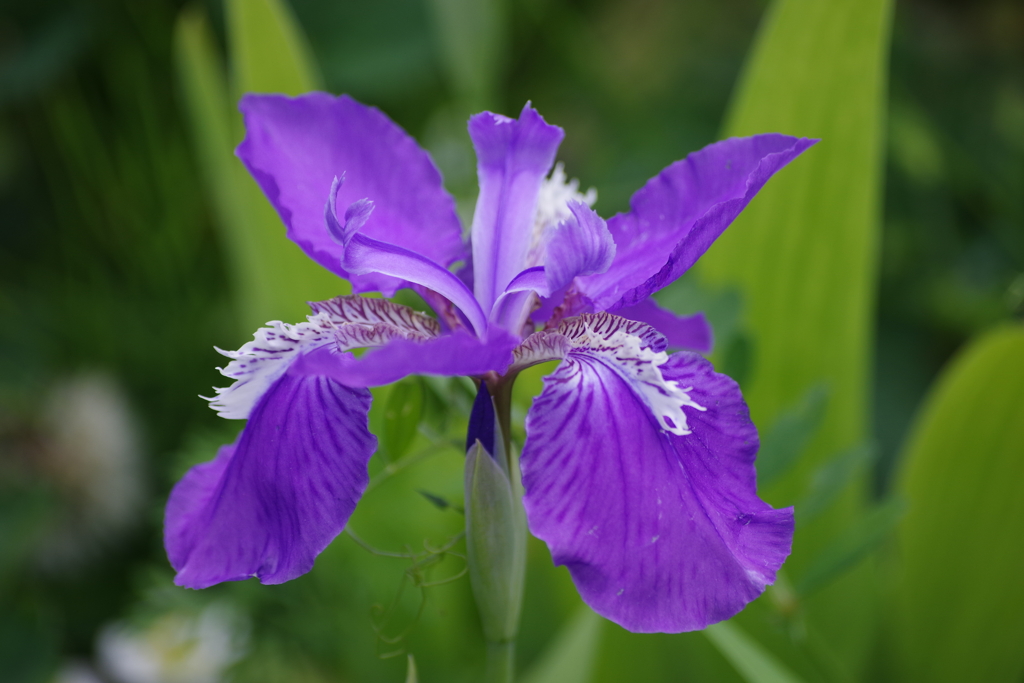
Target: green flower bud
[{"x": 495, "y": 544}]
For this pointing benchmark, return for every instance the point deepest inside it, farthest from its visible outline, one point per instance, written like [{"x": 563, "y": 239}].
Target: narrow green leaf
[
  {"x": 754, "y": 663},
  {"x": 804, "y": 255},
  {"x": 271, "y": 276},
  {"x": 410, "y": 673},
  {"x": 959, "y": 612},
  {"x": 402, "y": 414},
  {"x": 571, "y": 657},
  {"x": 851, "y": 545},
  {"x": 269, "y": 51},
  {"x": 785, "y": 442}
]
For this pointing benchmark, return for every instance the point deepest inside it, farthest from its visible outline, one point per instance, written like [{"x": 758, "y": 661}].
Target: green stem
[
  {"x": 500, "y": 662},
  {"x": 501, "y": 393}
]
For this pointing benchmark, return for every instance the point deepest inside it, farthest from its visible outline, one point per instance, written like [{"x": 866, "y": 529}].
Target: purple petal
[
  {"x": 458, "y": 353},
  {"x": 271, "y": 502},
  {"x": 676, "y": 216},
  {"x": 363, "y": 255},
  {"x": 514, "y": 305},
  {"x": 346, "y": 322},
  {"x": 355, "y": 216},
  {"x": 661, "y": 532},
  {"x": 513, "y": 156},
  {"x": 294, "y": 147},
  {"x": 580, "y": 245},
  {"x": 362, "y": 310},
  {"x": 690, "y": 332}
]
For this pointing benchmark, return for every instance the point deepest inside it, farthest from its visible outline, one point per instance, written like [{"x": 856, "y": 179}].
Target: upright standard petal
[
  {"x": 513, "y": 157},
  {"x": 295, "y": 146},
  {"x": 272, "y": 501},
  {"x": 675, "y": 217},
  {"x": 660, "y": 527}
]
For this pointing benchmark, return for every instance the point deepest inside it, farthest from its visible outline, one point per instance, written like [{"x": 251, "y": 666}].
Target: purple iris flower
[{"x": 638, "y": 465}]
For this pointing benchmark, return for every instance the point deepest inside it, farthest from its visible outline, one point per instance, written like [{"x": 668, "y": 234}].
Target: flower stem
[
  {"x": 500, "y": 662},
  {"x": 501, "y": 392}
]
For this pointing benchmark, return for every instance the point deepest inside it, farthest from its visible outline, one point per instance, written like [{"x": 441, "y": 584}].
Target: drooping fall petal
[
  {"x": 273, "y": 500},
  {"x": 658, "y": 521}
]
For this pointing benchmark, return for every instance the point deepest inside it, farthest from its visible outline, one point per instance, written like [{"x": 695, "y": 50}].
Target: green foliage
[
  {"x": 572, "y": 654},
  {"x": 402, "y": 414},
  {"x": 272, "y": 278},
  {"x": 958, "y": 607},
  {"x": 865, "y": 533},
  {"x": 831, "y": 479},
  {"x": 473, "y": 47},
  {"x": 804, "y": 254},
  {"x": 269, "y": 51},
  {"x": 784, "y": 443},
  {"x": 754, "y": 663}
]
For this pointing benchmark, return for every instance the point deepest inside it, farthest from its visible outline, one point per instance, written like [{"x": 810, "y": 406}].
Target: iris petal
[
  {"x": 458, "y": 353},
  {"x": 272, "y": 501},
  {"x": 364, "y": 256},
  {"x": 689, "y": 332},
  {"x": 295, "y": 146},
  {"x": 513, "y": 156},
  {"x": 661, "y": 532},
  {"x": 579, "y": 245},
  {"x": 676, "y": 216}
]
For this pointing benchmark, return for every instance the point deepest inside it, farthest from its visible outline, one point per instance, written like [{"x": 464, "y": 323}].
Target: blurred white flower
[
  {"x": 76, "y": 672},
  {"x": 176, "y": 648},
  {"x": 90, "y": 451}
]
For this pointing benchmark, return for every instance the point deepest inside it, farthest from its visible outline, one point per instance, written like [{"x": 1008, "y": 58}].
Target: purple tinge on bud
[{"x": 481, "y": 421}]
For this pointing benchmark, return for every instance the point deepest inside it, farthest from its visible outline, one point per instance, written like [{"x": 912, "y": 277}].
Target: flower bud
[{"x": 495, "y": 544}]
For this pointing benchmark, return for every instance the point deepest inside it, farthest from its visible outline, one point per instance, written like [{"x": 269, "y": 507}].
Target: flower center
[{"x": 556, "y": 191}]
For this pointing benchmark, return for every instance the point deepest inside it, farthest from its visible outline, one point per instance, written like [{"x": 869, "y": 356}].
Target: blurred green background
[{"x": 869, "y": 302}]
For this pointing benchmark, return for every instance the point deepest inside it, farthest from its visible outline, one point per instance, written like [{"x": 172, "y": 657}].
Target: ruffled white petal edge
[
  {"x": 347, "y": 322},
  {"x": 633, "y": 349}
]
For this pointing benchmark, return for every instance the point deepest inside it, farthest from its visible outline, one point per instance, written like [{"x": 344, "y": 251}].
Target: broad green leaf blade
[
  {"x": 754, "y": 663},
  {"x": 851, "y": 545},
  {"x": 570, "y": 658},
  {"x": 960, "y": 599},
  {"x": 271, "y": 276},
  {"x": 269, "y": 51},
  {"x": 804, "y": 255}
]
